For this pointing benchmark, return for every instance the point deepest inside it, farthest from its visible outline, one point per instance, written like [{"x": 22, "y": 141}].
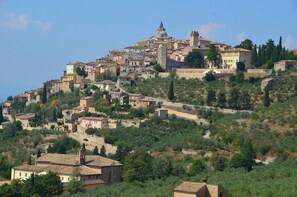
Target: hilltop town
[{"x": 160, "y": 108}]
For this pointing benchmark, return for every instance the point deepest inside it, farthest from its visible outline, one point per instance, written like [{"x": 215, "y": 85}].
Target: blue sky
[{"x": 38, "y": 38}]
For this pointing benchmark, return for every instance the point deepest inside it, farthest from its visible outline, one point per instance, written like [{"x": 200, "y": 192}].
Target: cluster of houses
[{"x": 129, "y": 65}]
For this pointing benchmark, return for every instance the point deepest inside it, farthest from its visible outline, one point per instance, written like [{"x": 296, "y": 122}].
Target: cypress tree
[
  {"x": 254, "y": 57},
  {"x": 259, "y": 60},
  {"x": 221, "y": 101},
  {"x": 266, "y": 101},
  {"x": 279, "y": 49},
  {"x": 103, "y": 151},
  {"x": 171, "y": 91},
  {"x": 44, "y": 98},
  {"x": 95, "y": 151},
  {"x": 1, "y": 115},
  {"x": 54, "y": 115}
]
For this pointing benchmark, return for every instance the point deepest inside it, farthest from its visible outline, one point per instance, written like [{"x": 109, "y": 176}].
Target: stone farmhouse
[{"x": 95, "y": 170}]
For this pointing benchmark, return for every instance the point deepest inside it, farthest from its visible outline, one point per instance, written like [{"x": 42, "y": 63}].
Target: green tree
[
  {"x": 219, "y": 163},
  {"x": 255, "y": 57},
  {"x": 246, "y": 44},
  {"x": 197, "y": 167},
  {"x": 211, "y": 97},
  {"x": 95, "y": 151},
  {"x": 138, "y": 167},
  {"x": 171, "y": 91},
  {"x": 158, "y": 68},
  {"x": 240, "y": 66},
  {"x": 233, "y": 100},
  {"x": 54, "y": 115},
  {"x": 1, "y": 115},
  {"x": 43, "y": 185},
  {"x": 209, "y": 77},
  {"x": 161, "y": 168},
  {"x": 270, "y": 46},
  {"x": 75, "y": 183},
  {"x": 245, "y": 100},
  {"x": 194, "y": 59},
  {"x": 38, "y": 154},
  {"x": 266, "y": 101},
  {"x": 237, "y": 161},
  {"x": 81, "y": 72},
  {"x": 279, "y": 49},
  {"x": 44, "y": 94},
  {"x": 249, "y": 155},
  {"x": 103, "y": 151},
  {"x": 30, "y": 160},
  {"x": 212, "y": 55},
  {"x": 221, "y": 100}
]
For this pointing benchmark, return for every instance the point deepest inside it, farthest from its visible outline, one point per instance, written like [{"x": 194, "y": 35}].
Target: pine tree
[
  {"x": 95, "y": 151},
  {"x": 266, "y": 101},
  {"x": 1, "y": 115},
  {"x": 171, "y": 91},
  {"x": 44, "y": 96},
  {"x": 103, "y": 151}
]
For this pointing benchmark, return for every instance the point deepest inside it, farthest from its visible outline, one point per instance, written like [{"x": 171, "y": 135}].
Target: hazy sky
[{"x": 38, "y": 38}]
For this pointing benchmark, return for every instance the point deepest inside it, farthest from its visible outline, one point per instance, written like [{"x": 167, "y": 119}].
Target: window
[
  {"x": 20, "y": 174},
  {"x": 62, "y": 178},
  {"x": 25, "y": 174}
]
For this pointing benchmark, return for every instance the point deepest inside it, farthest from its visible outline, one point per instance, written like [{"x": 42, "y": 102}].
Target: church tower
[
  {"x": 162, "y": 56},
  {"x": 161, "y": 31},
  {"x": 194, "y": 39}
]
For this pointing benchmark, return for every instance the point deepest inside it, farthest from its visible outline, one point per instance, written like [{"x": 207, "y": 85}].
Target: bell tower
[{"x": 194, "y": 39}]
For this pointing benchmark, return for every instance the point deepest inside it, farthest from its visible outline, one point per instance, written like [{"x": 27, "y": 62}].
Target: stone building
[
  {"x": 94, "y": 169},
  {"x": 230, "y": 57},
  {"x": 194, "y": 38},
  {"x": 94, "y": 122},
  {"x": 285, "y": 64},
  {"x": 192, "y": 189},
  {"x": 86, "y": 103}
]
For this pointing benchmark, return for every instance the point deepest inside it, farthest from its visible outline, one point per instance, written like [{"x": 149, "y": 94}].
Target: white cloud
[
  {"x": 210, "y": 30},
  {"x": 289, "y": 42},
  {"x": 44, "y": 27},
  {"x": 240, "y": 37},
  {"x": 17, "y": 22},
  {"x": 21, "y": 22}
]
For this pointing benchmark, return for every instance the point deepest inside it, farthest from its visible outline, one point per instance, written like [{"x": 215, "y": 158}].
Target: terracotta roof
[
  {"x": 235, "y": 50},
  {"x": 190, "y": 187},
  {"x": 59, "y": 169},
  {"x": 25, "y": 116},
  {"x": 31, "y": 168},
  {"x": 93, "y": 118},
  {"x": 69, "y": 159}
]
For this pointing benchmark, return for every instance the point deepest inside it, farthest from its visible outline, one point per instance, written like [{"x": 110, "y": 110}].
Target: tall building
[
  {"x": 162, "y": 56},
  {"x": 230, "y": 57},
  {"x": 194, "y": 38},
  {"x": 161, "y": 31}
]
